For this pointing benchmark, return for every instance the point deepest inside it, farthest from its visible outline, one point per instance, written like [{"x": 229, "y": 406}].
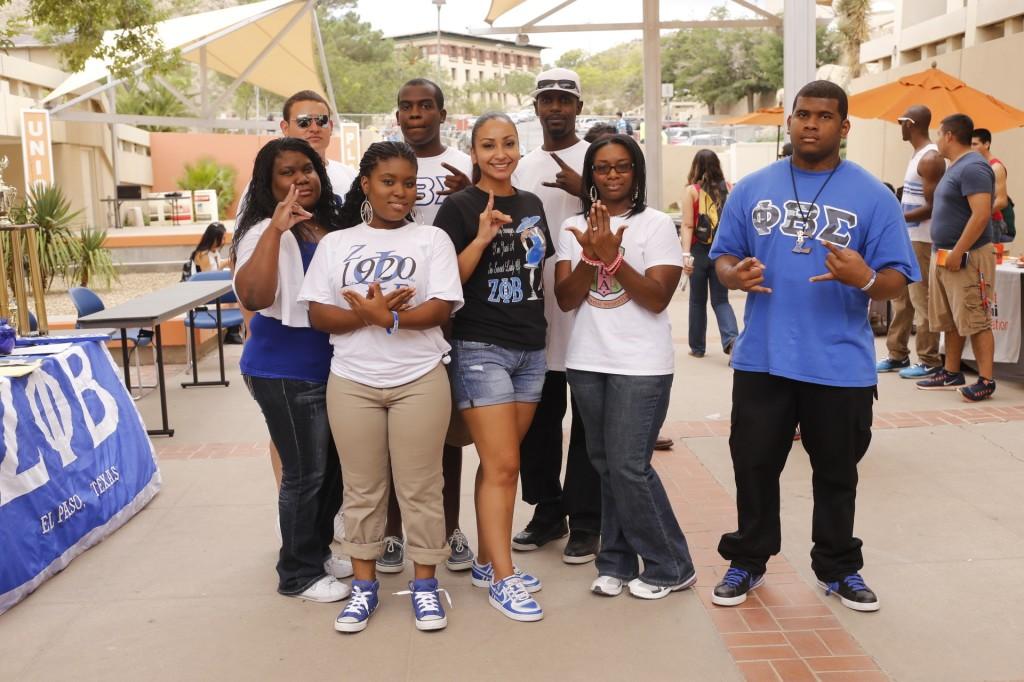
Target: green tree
[
  {"x": 571, "y": 59},
  {"x": 519, "y": 84},
  {"x": 208, "y": 174}
]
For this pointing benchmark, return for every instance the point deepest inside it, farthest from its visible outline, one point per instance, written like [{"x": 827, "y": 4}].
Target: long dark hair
[
  {"x": 706, "y": 171},
  {"x": 637, "y": 191},
  {"x": 489, "y": 116},
  {"x": 212, "y": 238},
  {"x": 259, "y": 196},
  {"x": 351, "y": 209}
]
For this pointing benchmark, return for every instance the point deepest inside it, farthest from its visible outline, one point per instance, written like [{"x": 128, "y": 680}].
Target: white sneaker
[
  {"x": 606, "y": 586},
  {"x": 339, "y": 528},
  {"x": 638, "y": 588},
  {"x": 338, "y": 568},
  {"x": 325, "y": 590}
]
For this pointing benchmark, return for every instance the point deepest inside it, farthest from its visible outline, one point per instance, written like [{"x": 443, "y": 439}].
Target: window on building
[
  {"x": 481, "y": 75},
  {"x": 519, "y": 60},
  {"x": 507, "y": 59},
  {"x": 469, "y": 75},
  {"x": 455, "y": 74}
]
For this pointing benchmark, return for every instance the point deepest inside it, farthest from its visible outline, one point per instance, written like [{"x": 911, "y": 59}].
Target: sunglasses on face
[
  {"x": 621, "y": 168},
  {"x": 563, "y": 84},
  {"x": 306, "y": 120}
]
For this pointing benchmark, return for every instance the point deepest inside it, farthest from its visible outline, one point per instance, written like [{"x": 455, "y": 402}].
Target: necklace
[{"x": 801, "y": 236}]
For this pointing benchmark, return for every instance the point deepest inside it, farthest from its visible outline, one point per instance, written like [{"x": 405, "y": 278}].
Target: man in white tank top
[{"x": 924, "y": 171}]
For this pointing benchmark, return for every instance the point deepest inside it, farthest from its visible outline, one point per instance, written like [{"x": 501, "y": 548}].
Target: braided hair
[
  {"x": 260, "y": 202},
  {"x": 351, "y": 209}
]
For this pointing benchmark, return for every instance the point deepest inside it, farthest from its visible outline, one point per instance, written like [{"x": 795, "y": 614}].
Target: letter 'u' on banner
[{"x": 36, "y": 147}]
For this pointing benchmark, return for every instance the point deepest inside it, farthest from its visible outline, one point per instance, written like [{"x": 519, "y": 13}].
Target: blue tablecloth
[{"x": 75, "y": 465}]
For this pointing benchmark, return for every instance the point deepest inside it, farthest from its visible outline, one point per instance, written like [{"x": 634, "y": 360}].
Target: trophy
[{"x": 7, "y": 194}]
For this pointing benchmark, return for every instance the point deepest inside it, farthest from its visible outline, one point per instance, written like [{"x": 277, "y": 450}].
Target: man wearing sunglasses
[
  {"x": 307, "y": 116},
  {"x": 552, "y": 172}
]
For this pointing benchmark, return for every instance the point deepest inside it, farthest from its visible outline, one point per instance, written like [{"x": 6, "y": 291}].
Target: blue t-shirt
[
  {"x": 276, "y": 351},
  {"x": 971, "y": 174},
  {"x": 816, "y": 332}
]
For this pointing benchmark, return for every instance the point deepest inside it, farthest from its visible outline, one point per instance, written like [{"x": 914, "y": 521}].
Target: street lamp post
[{"x": 440, "y": 4}]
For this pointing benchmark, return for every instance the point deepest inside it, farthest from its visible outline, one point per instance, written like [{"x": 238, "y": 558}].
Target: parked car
[{"x": 712, "y": 140}]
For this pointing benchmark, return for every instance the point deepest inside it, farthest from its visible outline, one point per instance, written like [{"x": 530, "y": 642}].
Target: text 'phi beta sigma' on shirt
[
  {"x": 430, "y": 177},
  {"x": 970, "y": 174},
  {"x": 811, "y": 331},
  {"x": 505, "y": 294}
]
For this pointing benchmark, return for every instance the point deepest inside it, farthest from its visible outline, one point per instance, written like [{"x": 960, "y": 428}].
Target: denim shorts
[{"x": 486, "y": 374}]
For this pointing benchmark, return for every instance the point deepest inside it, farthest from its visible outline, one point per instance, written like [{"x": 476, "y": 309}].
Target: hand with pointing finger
[
  {"x": 566, "y": 179},
  {"x": 846, "y": 266},
  {"x": 747, "y": 275},
  {"x": 455, "y": 181},
  {"x": 490, "y": 222},
  {"x": 288, "y": 212}
]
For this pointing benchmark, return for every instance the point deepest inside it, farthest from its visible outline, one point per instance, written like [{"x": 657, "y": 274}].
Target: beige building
[
  {"x": 978, "y": 41},
  {"x": 467, "y": 60},
  {"x": 81, "y": 151}
]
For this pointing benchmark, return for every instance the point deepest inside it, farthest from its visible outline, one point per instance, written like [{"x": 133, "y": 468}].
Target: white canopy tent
[{"x": 798, "y": 50}]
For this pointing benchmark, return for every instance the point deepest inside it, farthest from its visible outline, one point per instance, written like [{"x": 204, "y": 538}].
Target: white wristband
[{"x": 871, "y": 282}]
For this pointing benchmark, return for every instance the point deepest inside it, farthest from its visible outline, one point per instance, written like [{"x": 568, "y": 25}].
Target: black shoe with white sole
[
  {"x": 733, "y": 589},
  {"x": 852, "y": 592},
  {"x": 582, "y": 547}
]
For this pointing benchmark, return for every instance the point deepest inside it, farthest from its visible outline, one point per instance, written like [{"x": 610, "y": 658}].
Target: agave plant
[
  {"x": 93, "y": 258},
  {"x": 57, "y": 246}
]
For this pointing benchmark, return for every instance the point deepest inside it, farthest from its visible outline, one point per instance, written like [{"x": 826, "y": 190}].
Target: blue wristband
[{"x": 394, "y": 323}]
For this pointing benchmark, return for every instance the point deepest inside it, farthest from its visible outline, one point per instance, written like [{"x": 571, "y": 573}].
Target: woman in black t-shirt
[{"x": 498, "y": 365}]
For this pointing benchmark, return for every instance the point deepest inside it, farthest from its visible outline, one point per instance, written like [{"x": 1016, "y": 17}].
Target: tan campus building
[
  {"x": 978, "y": 41},
  {"x": 466, "y": 60}
]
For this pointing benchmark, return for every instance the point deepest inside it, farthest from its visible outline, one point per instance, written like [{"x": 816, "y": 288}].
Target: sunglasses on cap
[
  {"x": 564, "y": 84},
  {"x": 306, "y": 120},
  {"x": 904, "y": 119}
]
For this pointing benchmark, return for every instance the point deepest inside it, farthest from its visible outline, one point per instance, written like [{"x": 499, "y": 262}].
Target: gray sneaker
[
  {"x": 461, "y": 558},
  {"x": 393, "y": 559}
]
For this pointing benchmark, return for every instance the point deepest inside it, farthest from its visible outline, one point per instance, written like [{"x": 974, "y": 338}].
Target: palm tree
[{"x": 854, "y": 29}]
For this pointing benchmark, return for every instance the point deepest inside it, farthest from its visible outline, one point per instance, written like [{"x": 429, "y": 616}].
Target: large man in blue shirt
[{"x": 811, "y": 239}]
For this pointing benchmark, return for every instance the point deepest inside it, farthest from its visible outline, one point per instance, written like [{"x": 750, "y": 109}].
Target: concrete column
[
  {"x": 652, "y": 103},
  {"x": 798, "y": 51}
]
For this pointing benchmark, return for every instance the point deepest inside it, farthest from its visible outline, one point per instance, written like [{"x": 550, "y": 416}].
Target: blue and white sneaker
[
  {"x": 483, "y": 574},
  {"x": 509, "y": 596},
  {"x": 918, "y": 371},
  {"x": 890, "y": 365},
  {"x": 425, "y": 604},
  {"x": 852, "y": 592},
  {"x": 942, "y": 381},
  {"x": 361, "y": 605}
]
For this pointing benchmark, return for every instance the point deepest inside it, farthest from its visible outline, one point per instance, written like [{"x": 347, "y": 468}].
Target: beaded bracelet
[
  {"x": 590, "y": 261},
  {"x": 615, "y": 265},
  {"x": 393, "y": 329}
]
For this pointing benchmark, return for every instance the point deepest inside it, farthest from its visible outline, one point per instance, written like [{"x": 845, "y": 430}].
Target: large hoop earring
[
  {"x": 366, "y": 211},
  {"x": 593, "y": 193}
]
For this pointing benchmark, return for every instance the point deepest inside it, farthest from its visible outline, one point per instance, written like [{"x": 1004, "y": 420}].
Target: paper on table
[
  {"x": 46, "y": 349},
  {"x": 12, "y": 371}
]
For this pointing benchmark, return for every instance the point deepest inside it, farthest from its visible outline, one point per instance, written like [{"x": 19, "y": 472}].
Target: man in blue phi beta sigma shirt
[{"x": 811, "y": 238}]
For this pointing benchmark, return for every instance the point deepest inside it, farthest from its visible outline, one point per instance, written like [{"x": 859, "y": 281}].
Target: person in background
[
  {"x": 552, "y": 172},
  {"x": 441, "y": 170},
  {"x": 960, "y": 286},
  {"x": 382, "y": 288},
  {"x": 924, "y": 170},
  {"x": 981, "y": 142},
  {"x": 623, "y": 126},
  {"x": 703, "y": 201},
  {"x": 599, "y": 130},
  {"x": 806, "y": 354},
  {"x": 500, "y": 234},
  {"x": 206, "y": 258},
  {"x": 285, "y": 362},
  {"x": 618, "y": 266}
]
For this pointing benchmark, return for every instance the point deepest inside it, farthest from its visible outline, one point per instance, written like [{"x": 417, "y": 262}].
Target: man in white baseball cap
[{"x": 564, "y": 80}]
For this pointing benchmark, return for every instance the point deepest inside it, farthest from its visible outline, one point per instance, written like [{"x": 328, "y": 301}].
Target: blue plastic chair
[
  {"x": 205, "y": 317},
  {"x": 87, "y": 302}
]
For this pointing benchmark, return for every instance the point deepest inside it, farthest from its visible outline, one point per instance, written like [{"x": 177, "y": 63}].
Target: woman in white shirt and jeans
[
  {"x": 618, "y": 266},
  {"x": 382, "y": 288}
]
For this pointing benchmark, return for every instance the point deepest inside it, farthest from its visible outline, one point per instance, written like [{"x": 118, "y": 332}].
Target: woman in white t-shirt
[
  {"x": 382, "y": 288},
  {"x": 618, "y": 266}
]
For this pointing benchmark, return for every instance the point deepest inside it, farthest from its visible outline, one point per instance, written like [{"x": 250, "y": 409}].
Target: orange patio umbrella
[
  {"x": 940, "y": 92},
  {"x": 771, "y": 116}
]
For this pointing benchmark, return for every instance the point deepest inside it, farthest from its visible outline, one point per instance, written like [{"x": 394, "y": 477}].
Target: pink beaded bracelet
[
  {"x": 590, "y": 261},
  {"x": 615, "y": 265}
]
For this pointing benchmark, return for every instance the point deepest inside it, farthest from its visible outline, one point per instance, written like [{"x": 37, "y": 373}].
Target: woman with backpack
[{"x": 702, "y": 205}]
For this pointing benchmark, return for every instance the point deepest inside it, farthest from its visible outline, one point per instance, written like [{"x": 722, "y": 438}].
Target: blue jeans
[
  {"x": 702, "y": 279},
  {"x": 485, "y": 374},
  {"x": 622, "y": 415},
  {"x": 310, "y": 496}
]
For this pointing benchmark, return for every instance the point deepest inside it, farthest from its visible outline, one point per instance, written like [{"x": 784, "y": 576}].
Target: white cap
[{"x": 558, "y": 80}]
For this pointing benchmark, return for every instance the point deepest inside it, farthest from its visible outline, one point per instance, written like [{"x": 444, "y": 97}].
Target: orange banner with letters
[{"x": 37, "y": 147}]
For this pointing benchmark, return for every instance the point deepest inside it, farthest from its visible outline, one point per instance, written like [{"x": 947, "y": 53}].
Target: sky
[{"x": 396, "y": 17}]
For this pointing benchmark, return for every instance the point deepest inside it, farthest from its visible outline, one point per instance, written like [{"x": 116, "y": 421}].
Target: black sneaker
[
  {"x": 852, "y": 592},
  {"x": 582, "y": 547},
  {"x": 732, "y": 591},
  {"x": 539, "y": 533},
  {"x": 978, "y": 391},
  {"x": 942, "y": 381}
]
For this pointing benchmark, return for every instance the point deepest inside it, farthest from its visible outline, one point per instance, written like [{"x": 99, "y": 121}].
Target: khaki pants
[
  {"x": 408, "y": 423},
  {"x": 910, "y": 308},
  {"x": 959, "y": 300}
]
